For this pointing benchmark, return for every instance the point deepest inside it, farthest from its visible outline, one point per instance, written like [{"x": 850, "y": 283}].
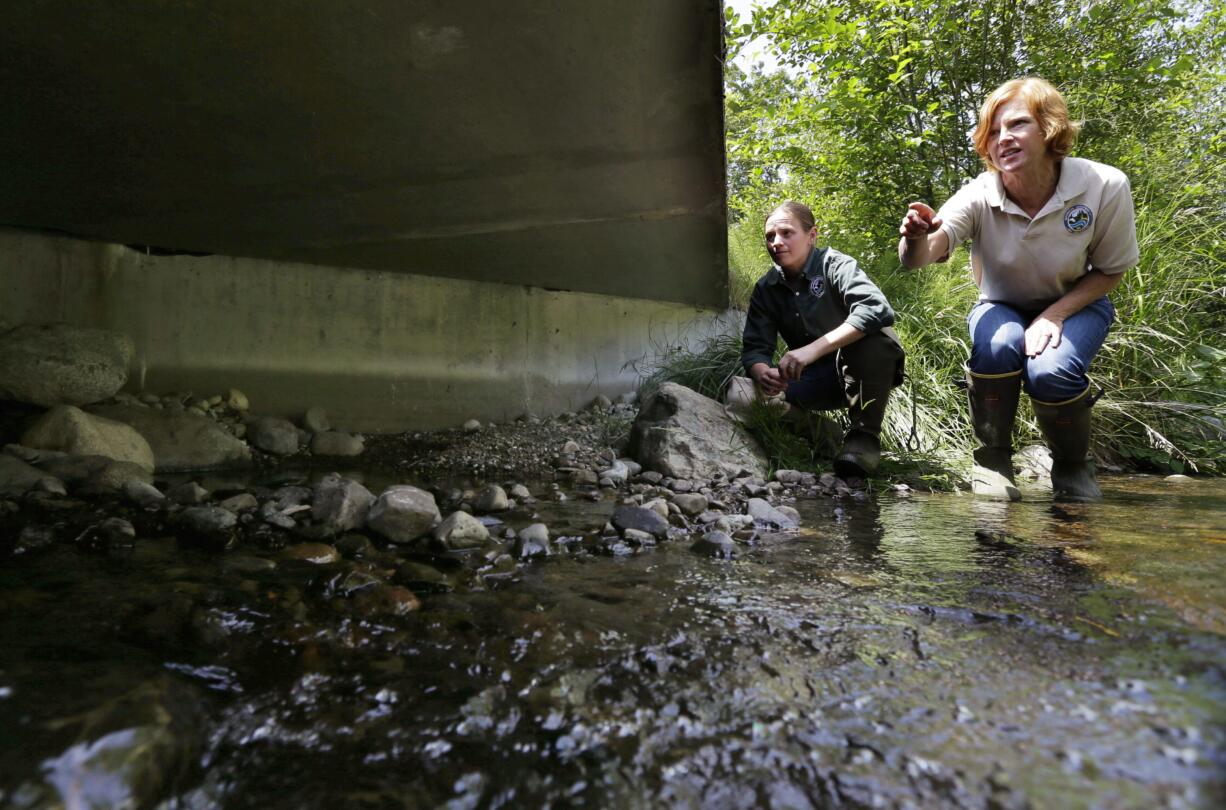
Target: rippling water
[{"x": 902, "y": 650}]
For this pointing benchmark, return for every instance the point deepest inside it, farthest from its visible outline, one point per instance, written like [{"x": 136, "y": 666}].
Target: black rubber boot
[
  {"x": 861, "y": 450},
  {"x": 1066, "y": 426},
  {"x": 993, "y": 400}
]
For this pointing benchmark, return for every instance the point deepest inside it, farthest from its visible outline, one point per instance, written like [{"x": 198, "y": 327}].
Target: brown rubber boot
[
  {"x": 993, "y": 400},
  {"x": 1066, "y": 426}
]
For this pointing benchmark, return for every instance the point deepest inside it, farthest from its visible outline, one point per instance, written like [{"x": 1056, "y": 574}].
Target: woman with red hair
[{"x": 1051, "y": 237}]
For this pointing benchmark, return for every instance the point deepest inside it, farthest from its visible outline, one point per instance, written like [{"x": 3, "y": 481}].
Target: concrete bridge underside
[{"x": 407, "y": 211}]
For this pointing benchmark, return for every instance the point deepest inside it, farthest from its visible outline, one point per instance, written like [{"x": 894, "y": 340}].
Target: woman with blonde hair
[{"x": 1051, "y": 237}]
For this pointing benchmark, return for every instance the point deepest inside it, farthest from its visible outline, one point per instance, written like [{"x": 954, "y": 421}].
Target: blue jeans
[{"x": 998, "y": 346}]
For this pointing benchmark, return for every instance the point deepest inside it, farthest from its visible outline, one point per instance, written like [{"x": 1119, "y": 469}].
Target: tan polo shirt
[{"x": 1087, "y": 224}]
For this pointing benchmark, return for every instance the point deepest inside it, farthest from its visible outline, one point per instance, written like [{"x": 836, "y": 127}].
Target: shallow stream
[{"x": 902, "y": 650}]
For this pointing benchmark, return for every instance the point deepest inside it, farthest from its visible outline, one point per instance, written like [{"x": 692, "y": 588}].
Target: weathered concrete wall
[
  {"x": 568, "y": 145},
  {"x": 381, "y": 351}
]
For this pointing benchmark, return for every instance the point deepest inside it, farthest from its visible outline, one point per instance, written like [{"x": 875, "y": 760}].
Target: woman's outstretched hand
[{"x": 919, "y": 221}]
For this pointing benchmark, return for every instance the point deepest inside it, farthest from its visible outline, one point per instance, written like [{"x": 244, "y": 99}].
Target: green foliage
[{"x": 873, "y": 109}]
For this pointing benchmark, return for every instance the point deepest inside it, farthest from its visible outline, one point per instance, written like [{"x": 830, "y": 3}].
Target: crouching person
[{"x": 835, "y": 322}]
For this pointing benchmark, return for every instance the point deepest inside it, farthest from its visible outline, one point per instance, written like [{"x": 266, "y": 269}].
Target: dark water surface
[{"x": 902, "y": 650}]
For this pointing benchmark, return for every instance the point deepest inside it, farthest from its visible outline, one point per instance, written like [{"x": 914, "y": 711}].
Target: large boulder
[
  {"x": 59, "y": 364},
  {"x": 683, "y": 434},
  {"x": 72, "y": 430},
  {"x": 181, "y": 440},
  {"x": 340, "y": 503},
  {"x": 403, "y": 513}
]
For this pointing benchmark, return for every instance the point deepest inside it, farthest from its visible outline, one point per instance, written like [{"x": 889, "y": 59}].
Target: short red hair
[{"x": 1045, "y": 103}]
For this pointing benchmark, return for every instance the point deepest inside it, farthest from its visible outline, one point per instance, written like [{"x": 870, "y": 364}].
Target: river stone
[
  {"x": 113, "y": 476},
  {"x": 17, "y": 477},
  {"x": 519, "y": 492},
  {"x": 59, "y": 364},
  {"x": 142, "y": 494},
  {"x": 386, "y": 600},
  {"x": 341, "y": 504},
  {"x": 236, "y": 400},
  {"x": 788, "y": 477},
  {"x": 491, "y": 498},
  {"x": 790, "y": 512},
  {"x": 471, "y": 426},
  {"x": 130, "y": 752},
  {"x": 181, "y": 441},
  {"x": 659, "y": 506},
  {"x": 246, "y": 564},
  {"x": 273, "y": 435},
  {"x": 422, "y": 578},
  {"x": 318, "y": 553},
  {"x": 460, "y": 532},
  {"x": 715, "y": 544},
  {"x": 532, "y": 541},
  {"x": 617, "y": 475},
  {"x": 355, "y": 546},
  {"x": 207, "y": 521},
  {"x": 644, "y": 520},
  {"x": 403, "y": 513},
  {"x": 683, "y": 434},
  {"x": 763, "y": 512},
  {"x": 316, "y": 420},
  {"x": 637, "y": 538},
  {"x": 71, "y": 430},
  {"x": 691, "y": 503},
  {"x": 190, "y": 493},
  {"x": 336, "y": 443},
  {"x": 242, "y": 502}
]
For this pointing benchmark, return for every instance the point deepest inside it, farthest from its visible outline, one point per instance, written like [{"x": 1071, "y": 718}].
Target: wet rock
[
  {"x": 52, "y": 486},
  {"x": 790, "y": 512},
  {"x": 130, "y": 752},
  {"x": 491, "y": 498},
  {"x": 617, "y": 475},
  {"x": 236, "y": 400},
  {"x": 788, "y": 477},
  {"x": 691, "y": 503},
  {"x": 644, "y": 520},
  {"x": 355, "y": 546},
  {"x": 243, "y": 502},
  {"x": 471, "y": 426},
  {"x": 386, "y": 600},
  {"x": 246, "y": 564},
  {"x": 34, "y": 538},
  {"x": 763, "y": 513},
  {"x": 113, "y": 476},
  {"x": 73, "y": 431},
  {"x": 403, "y": 513},
  {"x": 17, "y": 477},
  {"x": 59, "y": 364},
  {"x": 336, "y": 443},
  {"x": 207, "y": 522},
  {"x": 291, "y": 496},
  {"x": 683, "y": 434},
  {"x": 1033, "y": 462},
  {"x": 519, "y": 492},
  {"x": 460, "y": 532},
  {"x": 142, "y": 494},
  {"x": 190, "y": 493},
  {"x": 715, "y": 544},
  {"x": 348, "y": 584},
  {"x": 108, "y": 533},
  {"x": 532, "y": 541},
  {"x": 180, "y": 441},
  {"x": 316, "y": 420},
  {"x": 422, "y": 578},
  {"x": 273, "y": 435},
  {"x": 638, "y": 538},
  {"x": 318, "y": 553},
  {"x": 659, "y": 506},
  {"x": 341, "y": 504}
]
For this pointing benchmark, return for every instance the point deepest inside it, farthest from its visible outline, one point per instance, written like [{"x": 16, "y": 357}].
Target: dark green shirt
[{"x": 831, "y": 290}]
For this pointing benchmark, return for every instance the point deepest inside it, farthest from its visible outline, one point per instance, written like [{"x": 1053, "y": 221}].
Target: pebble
[
  {"x": 471, "y": 426},
  {"x": 318, "y": 553},
  {"x": 189, "y": 493}
]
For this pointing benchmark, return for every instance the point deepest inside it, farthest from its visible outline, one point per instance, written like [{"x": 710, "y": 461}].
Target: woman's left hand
[
  {"x": 1043, "y": 333},
  {"x": 794, "y": 362}
]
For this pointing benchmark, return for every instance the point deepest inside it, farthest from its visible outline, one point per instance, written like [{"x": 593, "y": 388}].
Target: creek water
[{"x": 902, "y": 649}]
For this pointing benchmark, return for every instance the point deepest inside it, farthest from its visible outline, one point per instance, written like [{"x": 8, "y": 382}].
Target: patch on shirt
[
  {"x": 818, "y": 286},
  {"x": 1078, "y": 218}
]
